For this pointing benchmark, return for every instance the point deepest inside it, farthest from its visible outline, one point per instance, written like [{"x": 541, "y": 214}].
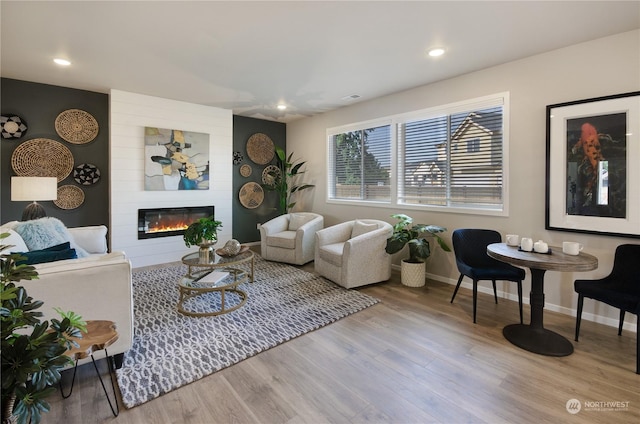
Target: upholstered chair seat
[
  {"x": 352, "y": 253},
  {"x": 290, "y": 237}
]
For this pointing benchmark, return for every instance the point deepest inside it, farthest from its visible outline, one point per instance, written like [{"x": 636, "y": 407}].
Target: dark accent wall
[
  {"x": 245, "y": 220},
  {"x": 39, "y": 105}
]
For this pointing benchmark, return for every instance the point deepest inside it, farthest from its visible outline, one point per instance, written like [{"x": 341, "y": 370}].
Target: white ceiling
[{"x": 249, "y": 56}]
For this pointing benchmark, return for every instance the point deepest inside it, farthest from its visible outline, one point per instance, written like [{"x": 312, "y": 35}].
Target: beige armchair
[
  {"x": 352, "y": 253},
  {"x": 290, "y": 237}
]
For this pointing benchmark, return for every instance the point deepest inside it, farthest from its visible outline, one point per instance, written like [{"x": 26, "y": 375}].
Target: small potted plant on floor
[
  {"x": 204, "y": 233},
  {"x": 413, "y": 269},
  {"x": 32, "y": 350}
]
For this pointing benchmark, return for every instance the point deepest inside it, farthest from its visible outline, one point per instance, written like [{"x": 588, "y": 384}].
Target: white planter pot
[{"x": 413, "y": 274}]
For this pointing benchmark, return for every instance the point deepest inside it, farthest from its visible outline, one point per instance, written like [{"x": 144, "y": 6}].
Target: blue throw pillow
[
  {"x": 62, "y": 246},
  {"x": 45, "y": 232},
  {"x": 42, "y": 256}
]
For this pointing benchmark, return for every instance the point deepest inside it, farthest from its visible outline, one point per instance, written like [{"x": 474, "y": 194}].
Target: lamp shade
[{"x": 34, "y": 188}]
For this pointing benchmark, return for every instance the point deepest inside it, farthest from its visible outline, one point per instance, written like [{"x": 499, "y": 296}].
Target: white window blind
[
  {"x": 453, "y": 159},
  {"x": 450, "y": 156},
  {"x": 360, "y": 163}
]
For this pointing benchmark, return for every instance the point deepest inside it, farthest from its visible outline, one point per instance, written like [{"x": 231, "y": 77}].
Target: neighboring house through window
[{"x": 447, "y": 157}]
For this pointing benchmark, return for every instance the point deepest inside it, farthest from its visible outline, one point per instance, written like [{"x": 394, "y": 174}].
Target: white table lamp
[{"x": 33, "y": 189}]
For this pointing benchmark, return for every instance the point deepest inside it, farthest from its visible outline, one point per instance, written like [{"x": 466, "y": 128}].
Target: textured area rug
[{"x": 171, "y": 349}]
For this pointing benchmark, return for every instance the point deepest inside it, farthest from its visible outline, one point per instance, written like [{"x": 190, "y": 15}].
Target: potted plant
[
  {"x": 32, "y": 350},
  {"x": 415, "y": 235},
  {"x": 204, "y": 233},
  {"x": 284, "y": 181}
]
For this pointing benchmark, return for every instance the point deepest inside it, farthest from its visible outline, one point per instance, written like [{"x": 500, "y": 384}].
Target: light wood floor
[{"x": 412, "y": 358}]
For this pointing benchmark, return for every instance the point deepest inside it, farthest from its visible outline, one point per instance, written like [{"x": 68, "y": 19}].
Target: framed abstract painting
[{"x": 175, "y": 159}]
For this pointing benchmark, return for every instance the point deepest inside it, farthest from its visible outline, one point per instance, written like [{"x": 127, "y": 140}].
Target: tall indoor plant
[
  {"x": 415, "y": 235},
  {"x": 285, "y": 182},
  {"x": 32, "y": 350}
]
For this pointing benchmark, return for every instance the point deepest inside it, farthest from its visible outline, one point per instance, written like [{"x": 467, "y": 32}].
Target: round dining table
[{"x": 534, "y": 337}]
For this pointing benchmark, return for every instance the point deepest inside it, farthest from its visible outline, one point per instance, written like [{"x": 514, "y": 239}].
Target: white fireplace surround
[{"x": 130, "y": 113}]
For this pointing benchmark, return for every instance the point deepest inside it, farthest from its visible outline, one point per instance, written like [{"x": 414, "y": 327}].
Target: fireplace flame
[{"x": 162, "y": 227}]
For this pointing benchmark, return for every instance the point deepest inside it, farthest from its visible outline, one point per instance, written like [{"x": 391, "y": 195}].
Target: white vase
[{"x": 413, "y": 274}]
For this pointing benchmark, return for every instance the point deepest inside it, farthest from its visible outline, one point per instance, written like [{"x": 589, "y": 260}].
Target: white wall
[
  {"x": 129, "y": 114},
  {"x": 601, "y": 67}
]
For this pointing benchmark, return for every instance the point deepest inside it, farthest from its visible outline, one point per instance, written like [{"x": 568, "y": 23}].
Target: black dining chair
[
  {"x": 620, "y": 289},
  {"x": 470, "y": 248}
]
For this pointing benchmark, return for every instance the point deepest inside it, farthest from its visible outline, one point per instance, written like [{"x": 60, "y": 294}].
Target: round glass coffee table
[{"x": 210, "y": 287}]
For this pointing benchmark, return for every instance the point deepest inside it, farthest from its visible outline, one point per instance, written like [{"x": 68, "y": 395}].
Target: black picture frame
[{"x": 593, "y": 166}]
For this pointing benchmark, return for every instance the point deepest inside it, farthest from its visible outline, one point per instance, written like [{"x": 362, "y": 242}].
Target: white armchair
[
  {"x": 352, "y": 253},
  {"x": 290, "y": 237}
]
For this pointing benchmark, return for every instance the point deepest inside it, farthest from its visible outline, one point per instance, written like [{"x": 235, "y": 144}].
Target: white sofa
[
  {"x": 352, "y": 253},
  {"x": 97, "y": 287}
]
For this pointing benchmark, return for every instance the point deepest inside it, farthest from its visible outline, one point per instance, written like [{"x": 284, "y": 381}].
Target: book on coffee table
[{"x": 214, "y": 277}]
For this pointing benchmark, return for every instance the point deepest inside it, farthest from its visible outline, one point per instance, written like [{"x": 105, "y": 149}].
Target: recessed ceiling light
[
  {"x": 351, "y": 97},
  {"x": 436, "y": 52},
  {"x": 62, "y": 62},
  {"x": 281, "y": 106}
]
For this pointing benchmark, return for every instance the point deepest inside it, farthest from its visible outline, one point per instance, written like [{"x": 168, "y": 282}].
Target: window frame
[
  {"x": 359, "y": 126},
  {"x": 397, "y": 153}
]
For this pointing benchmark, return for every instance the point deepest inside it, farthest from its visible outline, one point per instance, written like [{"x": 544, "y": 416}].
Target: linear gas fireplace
[{"x": 166, "y": 222}]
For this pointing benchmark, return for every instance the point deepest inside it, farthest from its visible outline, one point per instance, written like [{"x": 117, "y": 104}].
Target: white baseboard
[{"x": 611, "y": 322}]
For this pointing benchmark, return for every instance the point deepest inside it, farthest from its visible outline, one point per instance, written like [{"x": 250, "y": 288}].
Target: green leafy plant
[
  {"x": 32, "y": 350},
  {"x": 202, "y": 229},
  {"x": 285, "y": 182},
  {"x": 405, "y": 232}
]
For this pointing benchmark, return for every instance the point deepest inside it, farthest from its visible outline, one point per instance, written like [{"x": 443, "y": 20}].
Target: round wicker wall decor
[
  {"x": 42, "y": 157},
  {"x": 245, "y": 170},
  {"x": 76, "y": 126},
  {"x": 271, "y": 174},
  {"x": 86, "y": 174},
  {"x": 69, "y": 197},
  {"x": 12, "y": 126},
  {"x": 251, "y": 195},
  {"x": 260, "y": 148}
]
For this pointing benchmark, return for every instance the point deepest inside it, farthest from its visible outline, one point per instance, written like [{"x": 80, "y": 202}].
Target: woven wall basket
[
  {"x": 42, "y": 157},
  {"x": 76, "y": 126},
  {"x": 69, "y": 197},
  {"x": 245, "y": 170},
  {"x": 86, "y": 174},
  {"x": 12, "y": 126},
  {"x": 260, "y": 148},
  {"x": 271, "y": 174},
  {"x": 251, "y": 195}
]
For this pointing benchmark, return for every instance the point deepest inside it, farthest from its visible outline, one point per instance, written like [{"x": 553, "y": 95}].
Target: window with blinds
[
  {"x": 444, "y": 157},
  {"x": 453, "y": 159},
  {"x": 360, "y": 162}
]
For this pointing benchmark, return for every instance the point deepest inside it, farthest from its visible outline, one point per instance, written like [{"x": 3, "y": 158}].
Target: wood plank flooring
[{"x": 412, "y": 358}]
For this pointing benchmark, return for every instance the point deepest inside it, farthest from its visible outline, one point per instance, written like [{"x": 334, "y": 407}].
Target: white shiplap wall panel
[{"x": 130, "y": 113}]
